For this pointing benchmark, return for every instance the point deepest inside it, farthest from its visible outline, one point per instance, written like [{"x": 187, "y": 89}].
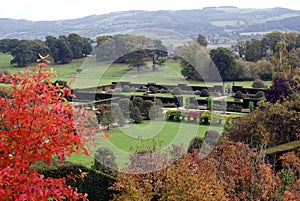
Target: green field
[
  {"x": 224, "y": 23},
  {"x": 95, "y": 73},
  {"x": 124, "y": 141}
]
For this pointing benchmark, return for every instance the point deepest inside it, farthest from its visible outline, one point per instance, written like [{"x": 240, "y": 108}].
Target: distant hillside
[{"x": 221, "y": 25}]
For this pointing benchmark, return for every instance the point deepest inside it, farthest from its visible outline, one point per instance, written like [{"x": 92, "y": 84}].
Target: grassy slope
[{"x": 94, "y": 73}]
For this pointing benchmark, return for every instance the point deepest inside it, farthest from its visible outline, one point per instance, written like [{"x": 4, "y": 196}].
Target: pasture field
[{"x": 94, "y": 73}]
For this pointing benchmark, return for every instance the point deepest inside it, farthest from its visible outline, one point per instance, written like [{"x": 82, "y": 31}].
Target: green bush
[
  {"x": 105, "y": 161},
  {"x": 173, "y": 115},
  {"x": 95, "y": 184},
  {"x": 169, "y": 105},
  {"x": 238, "y": 95},
  {"x": 127, "y": 88},
  {"x": 136, "y": 115},
  {"x": 153, "y": 89},
  {"x": 259, "y": 94},
  {"x": 177, "y": 91},
  {"x": 204, "y": 93},
  {"x": 258, "y": 83},
  {"x": 211, "y": 118},
  {"x": 205, "y": 118}
]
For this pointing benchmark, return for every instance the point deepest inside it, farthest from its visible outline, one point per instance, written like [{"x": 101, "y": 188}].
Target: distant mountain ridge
[{"x": 218, "y": 24}]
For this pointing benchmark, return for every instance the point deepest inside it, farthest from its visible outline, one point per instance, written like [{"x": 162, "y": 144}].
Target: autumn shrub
[
  {"x": 184, "y": 180},
  {"x": 278, "y": 124},
  {"x": 3, "y": 75},
  {"x": 38, "y": 124}
]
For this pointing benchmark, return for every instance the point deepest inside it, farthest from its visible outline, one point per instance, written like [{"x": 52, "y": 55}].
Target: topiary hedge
[
  {"x": 259, "y": 94},
  {"x": 238, "y": 95},
  {"x": 173, "y": 115},
  {"x": 204, "y": 93},
  {"x": 258, "y": 83},
  {"x": 95, "y": 184}
]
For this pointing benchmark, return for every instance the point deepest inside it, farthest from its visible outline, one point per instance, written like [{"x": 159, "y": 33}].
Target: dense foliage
[
  {"x": 62, "y": 49},
  {"x": 36, "y": 125},
  {"x": 94, "y": 183}
]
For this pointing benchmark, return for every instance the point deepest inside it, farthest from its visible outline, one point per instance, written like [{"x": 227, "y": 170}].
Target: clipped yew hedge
[{"x": 95, "y": 184}]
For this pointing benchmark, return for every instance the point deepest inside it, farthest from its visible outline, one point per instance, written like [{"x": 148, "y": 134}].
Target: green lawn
[
  {"x": 95, "y": 73},
  {"x": 284, "y": 147},
  {"x": 124, "y": 141}
]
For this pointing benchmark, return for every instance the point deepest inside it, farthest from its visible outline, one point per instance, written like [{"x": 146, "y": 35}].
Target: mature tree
[
  {"x": 253, "y": 50},
  {"x": 196, "y": 63},
  {"x": 136, "y": 59},
  {"x": 7, "y": 45},
  {"x": 62, "y": 52},
  {"x": 280, "y": 61},
  {"x": 22, "y": 54},
  {"x": 39, "y": 47},
  {"x": 131, "y": 49},
  {"x": 294, "y": 58},
  {"x": 86, "y": 46},
  {"x": 101, "y": 39},
  {"x": 264, "y": 69},
  {"x": 270, "y": 41},
  {"x": 282, "y": 89},
  {"x": 201, "y": 40},
  {"x": 158, "y": 54},
  {"x": 240, "y": 48},
  {"x": 60, "y": 49},
  {"x": 188, "y": 71},
  {"x": 225, "y": 63},
  {"x": 76, "y": 42},
  {"x": 26, "y": 52},
  {"x": 37, "y": 125}
]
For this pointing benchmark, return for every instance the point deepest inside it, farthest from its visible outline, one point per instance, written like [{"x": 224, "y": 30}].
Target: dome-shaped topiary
[{"x": 238, "y": 95}]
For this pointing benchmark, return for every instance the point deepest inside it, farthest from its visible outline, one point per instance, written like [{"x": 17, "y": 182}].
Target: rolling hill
[{"x": 221, "y": 25}]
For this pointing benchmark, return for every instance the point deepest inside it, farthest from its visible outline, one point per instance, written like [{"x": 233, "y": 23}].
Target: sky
[{"x": 69, "y": 9}]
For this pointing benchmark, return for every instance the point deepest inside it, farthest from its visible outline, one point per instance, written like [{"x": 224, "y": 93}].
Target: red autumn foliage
[{"x": 36, "y": 124}]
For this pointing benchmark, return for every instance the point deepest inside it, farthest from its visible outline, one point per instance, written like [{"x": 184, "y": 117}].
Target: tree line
[
  {"x": 246, "y": 60},
  {"x": 62, "y": 49}
]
